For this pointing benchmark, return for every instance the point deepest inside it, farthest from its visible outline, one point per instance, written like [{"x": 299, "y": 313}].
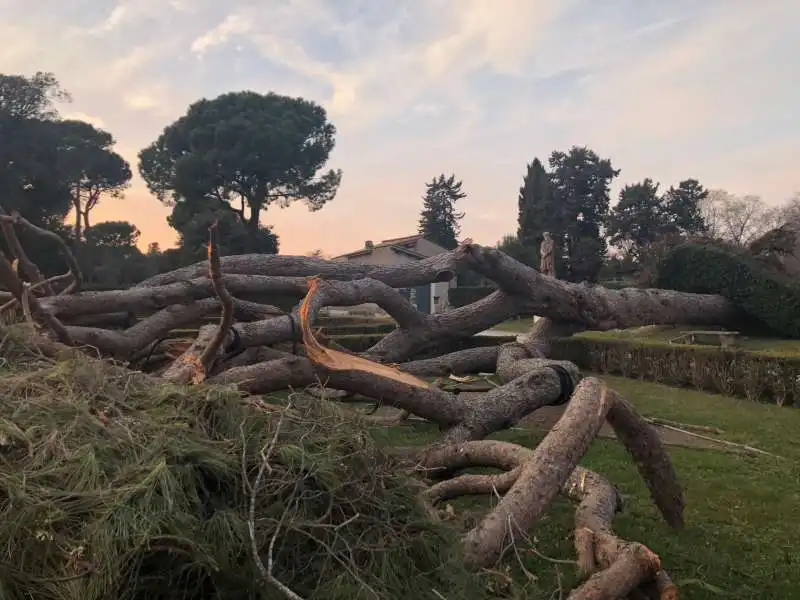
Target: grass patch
[{"x": 743, "y": 512}]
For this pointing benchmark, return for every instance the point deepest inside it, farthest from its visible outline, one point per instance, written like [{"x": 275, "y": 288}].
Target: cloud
[
  {"x": 667, "y": 90},
  {"x": 232, "y": 25}
]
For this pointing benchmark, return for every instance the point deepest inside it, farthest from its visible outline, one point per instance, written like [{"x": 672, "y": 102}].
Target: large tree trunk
[{"x": 259, "y": 350}]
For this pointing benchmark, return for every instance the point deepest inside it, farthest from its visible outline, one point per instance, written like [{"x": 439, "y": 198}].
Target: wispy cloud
[{"x": 665, "y": 89}]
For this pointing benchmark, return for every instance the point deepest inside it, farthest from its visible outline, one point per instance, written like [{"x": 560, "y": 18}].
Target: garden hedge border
[
  {"x": 704, "y": 269},
  {"x": 758, "y": 377},
  {"x": 754, "y": 376}
]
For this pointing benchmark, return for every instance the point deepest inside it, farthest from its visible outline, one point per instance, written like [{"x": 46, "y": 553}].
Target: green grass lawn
[
  {"x": 742, "y": 538},
  {"x": 664, "y": 333}
]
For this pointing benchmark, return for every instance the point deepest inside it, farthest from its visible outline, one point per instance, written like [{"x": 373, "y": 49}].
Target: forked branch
[{"x": 17, "y": 219}]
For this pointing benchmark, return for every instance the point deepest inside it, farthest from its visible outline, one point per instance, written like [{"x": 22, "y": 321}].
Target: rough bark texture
[
  {"x": 259, "y": 349},
  {"x": 542, "y": 475}
]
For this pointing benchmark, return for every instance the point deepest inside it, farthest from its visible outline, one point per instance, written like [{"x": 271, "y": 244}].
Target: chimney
[{"x": 369, "y": 245}]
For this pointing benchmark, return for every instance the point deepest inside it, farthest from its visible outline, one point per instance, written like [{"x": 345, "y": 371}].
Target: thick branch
[
  {"x": 156, "y": 298},
  {"x": 42, "y": 317},
  {"x": 28, "y": 267},
  {"x": 74, "y": 267},
  {"x": 505, "y": 406},
  {"x": 542, "y": 474},
  {"x": 595, "y": 307},
  {"x": 442, "y": 267},
  {"x": 471, "y": 360},
  {"x": 616, "y": 567},
  {"x": 209, "y": 355},
  {"x": 123, "y": 344},
  {"x": 643, "y": 443},
  {"x": 443, "y": 328},
  {"x": 361, "y": 291},
  {"x": 295, "y": 371}
]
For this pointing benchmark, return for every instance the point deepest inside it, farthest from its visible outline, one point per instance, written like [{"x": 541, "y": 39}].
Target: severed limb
[
  {"x": 13, "y": 303},
  {"x": 187, "y": 368}
]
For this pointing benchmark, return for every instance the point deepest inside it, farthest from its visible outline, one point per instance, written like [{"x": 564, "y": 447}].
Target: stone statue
[{"x": 547, "y": 263}]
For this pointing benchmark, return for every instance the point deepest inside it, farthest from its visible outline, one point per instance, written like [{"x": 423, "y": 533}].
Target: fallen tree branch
[
  {"x": 439, "y": 268},
  {"x": 461, "y": 362},
  {"x": 209, "y": 355},
  {"x": 442, "y": 329},
  {"x": 684, "y": 426},
  {"x": 15, "y": 247},
  {"x": 38, "y": 315},
  {"x": 320, "y": 294},
  {"x": 614, "y": 567},
  {"x": 151, "y": 299},
  {"x": 17, "y": 219},
  {"x": 595, "y": 307},
  {"x": 542, "y": 474},
  {"x": 745, "y": 447},
  {"x": 194, "y": 364},
  {"x": 42, "y": 285},
  {"x": 125, "y": 344},
  {"x": 651, "y": 458}
]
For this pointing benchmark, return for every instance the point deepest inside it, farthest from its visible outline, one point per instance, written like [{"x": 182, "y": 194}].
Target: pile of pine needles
[{"x": 114, "y": 484}]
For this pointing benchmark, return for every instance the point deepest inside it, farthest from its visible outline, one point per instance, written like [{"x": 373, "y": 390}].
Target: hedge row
[
  {"x": 750, "y": 375},
  {"x": 754, "y": 376},
  {"x": 335, "y": 328},
  {"x": 710, "y": 270},
  {"x": 462, "y": 296},
  {"x": 360, "y": 343}
]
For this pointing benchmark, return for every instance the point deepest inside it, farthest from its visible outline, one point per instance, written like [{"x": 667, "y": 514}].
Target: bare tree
[
  {"x": 739, "y": 220},
  {"x": 791, "y": 211}
]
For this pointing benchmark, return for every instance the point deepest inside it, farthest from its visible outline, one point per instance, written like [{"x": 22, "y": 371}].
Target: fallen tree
[{"x": 258, "y": 349}]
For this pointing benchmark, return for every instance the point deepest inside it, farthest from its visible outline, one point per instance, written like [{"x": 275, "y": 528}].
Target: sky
[{"x": 665, "y": 89}]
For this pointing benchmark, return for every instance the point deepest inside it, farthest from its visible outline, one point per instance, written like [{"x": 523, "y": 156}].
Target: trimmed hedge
[
  {"x": 334, "y": 329},
  {"x": 462, "y": 296},
  {"x": 360, "y": 343},
  {"x": 706, "y": 269},
  {"x": 750, "y": 375}
]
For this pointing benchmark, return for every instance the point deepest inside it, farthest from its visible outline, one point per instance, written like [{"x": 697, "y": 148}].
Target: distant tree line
[
  {"x": 594, "y": 240},
  {"x": 226, "y": 160}
]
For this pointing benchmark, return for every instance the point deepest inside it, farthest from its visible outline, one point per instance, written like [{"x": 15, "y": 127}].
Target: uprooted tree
[{"x": 258, "y": 348}]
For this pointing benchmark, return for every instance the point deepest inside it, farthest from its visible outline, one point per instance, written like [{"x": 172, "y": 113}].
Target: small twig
[
  {"x": 723, "y": 442},
  {"x": 687, "y": 426},
  {"x": 36, "y": 286},
  {"x": 226, "y": 320},
  {"x": 266, "y": 571}
]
